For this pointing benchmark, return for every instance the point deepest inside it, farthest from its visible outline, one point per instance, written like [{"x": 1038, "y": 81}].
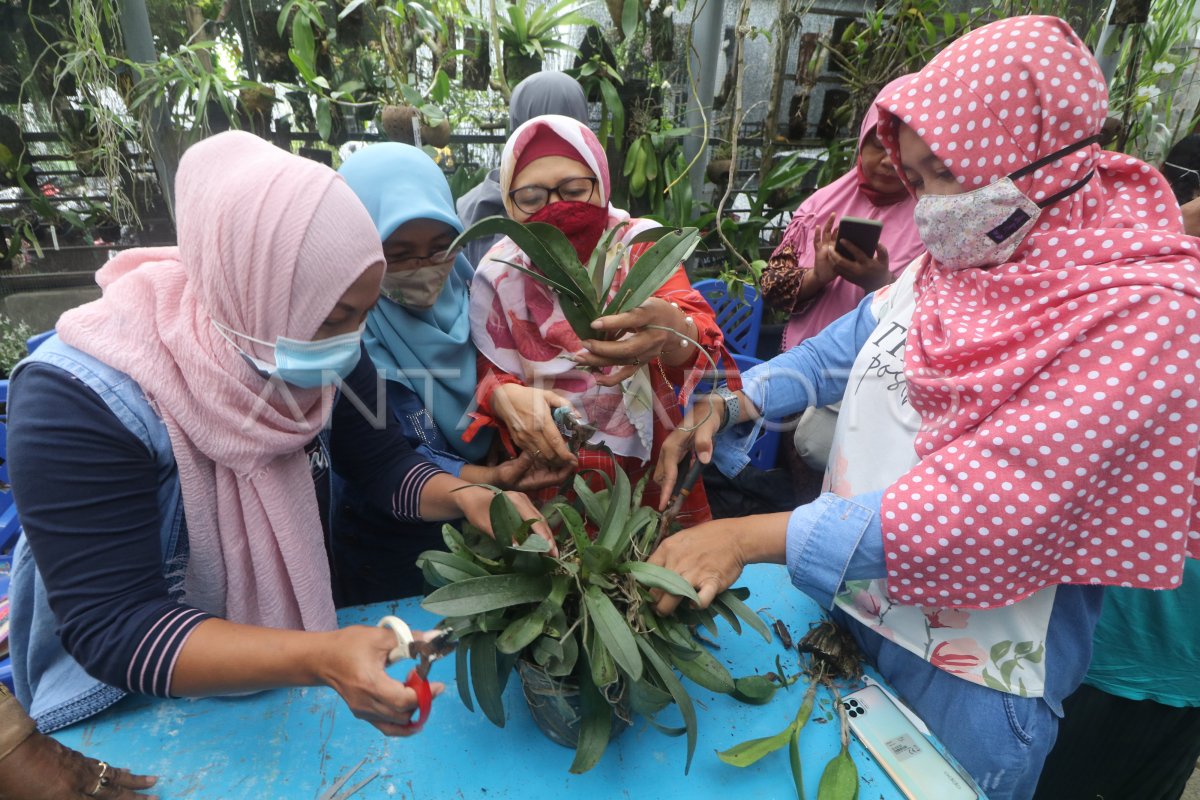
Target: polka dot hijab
[{"x": 1057, "y": 391}]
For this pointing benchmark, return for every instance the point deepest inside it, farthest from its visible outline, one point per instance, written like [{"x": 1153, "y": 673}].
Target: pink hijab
[
  {"x": 846, "y": 198},
  {"x": 518, "y": 324},
  {"x": 268, "y": 242},
  {"x": 1057, "y": 391}
]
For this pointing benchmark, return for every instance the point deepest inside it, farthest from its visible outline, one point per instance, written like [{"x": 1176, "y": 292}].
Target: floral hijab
[{"x": 518, "y": 324}]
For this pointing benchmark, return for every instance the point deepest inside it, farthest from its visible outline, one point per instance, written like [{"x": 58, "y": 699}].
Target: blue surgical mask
[{"x": 305, "y": 365}]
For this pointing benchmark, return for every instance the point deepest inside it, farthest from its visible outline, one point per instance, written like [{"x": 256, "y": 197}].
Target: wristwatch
[{"x": 733, "y": 407}]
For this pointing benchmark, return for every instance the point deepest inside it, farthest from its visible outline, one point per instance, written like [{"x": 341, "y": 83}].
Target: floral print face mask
[{"x": 984, "y": 227}]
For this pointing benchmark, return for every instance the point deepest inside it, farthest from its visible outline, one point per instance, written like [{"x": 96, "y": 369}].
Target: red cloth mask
[{"x": 582, "y": 223}]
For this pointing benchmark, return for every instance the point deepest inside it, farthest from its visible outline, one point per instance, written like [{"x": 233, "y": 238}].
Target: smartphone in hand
[{"x": 862, "y": 233}]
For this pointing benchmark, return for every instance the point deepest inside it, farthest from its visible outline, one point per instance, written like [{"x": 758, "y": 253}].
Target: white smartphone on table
[{"x": 906, "y": 755}]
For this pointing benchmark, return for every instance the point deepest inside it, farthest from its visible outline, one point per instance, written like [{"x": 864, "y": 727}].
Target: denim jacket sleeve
[
  {"x": 835, "y": 539},
  {"x": 813, "y": 373}
]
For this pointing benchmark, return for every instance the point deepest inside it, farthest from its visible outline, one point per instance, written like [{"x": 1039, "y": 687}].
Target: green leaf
[
  {"x": 755, "y": 690},
  {"x": 630, "y": 14},
  {"x": 306, "y": 70},
  {"x": 747, "y": 753},
  {"x": 574, "y": 523},
  {"x": 546, "y": 246},
  {"x": 614, "y": 631},
  {"x": 613, "y": 526},
  {"x": 477, "y": 595},
  {"x": 324, "y": 120},
  {"x": 597, "y": 262},
  {"x": 449, "y": 568},
  {"x": 612, "y": 102},
  {"x": 349, "y": 9},
  {"x": 595, "y": 726},
  {"x": 591, "y": 506},
  {"x": 522, "y": 631},
  {"x": 794, "y": 759},
  {"x": 439, "y": 90},
  {"x": 667, "y": 676},
  {"x": 1000, "y": 650},
  {"x": 658, "y": 577},
  {"x": 839, "y": 781},
  {"x": 304, "y": 42},
  {"x": 647, "y": 699},
  {"x": 504, "y": 518},
  {"x": 532, "y": 544},
  {"x": 485, "y": 677},
  {"x": 730, "y": 600},
  {"x": 597, "y": 559},
  {"x": 702, "y": 669},
  {"x": 600, "y": 662},
  {"x": 462, "y": 675},
  {"x": 653, "y": 269}
]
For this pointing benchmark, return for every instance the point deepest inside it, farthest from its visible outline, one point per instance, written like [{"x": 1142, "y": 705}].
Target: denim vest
[{"x": 49, "y": 682}]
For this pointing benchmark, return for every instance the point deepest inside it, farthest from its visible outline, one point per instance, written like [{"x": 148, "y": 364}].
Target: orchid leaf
[
  {"x": 730, "y": 601},
  {"x": 657, "y": 577},
  {"x": 680, "y": 695},
  {"x": 653, "y": 269},
  {"x": 595, "y": 726},
  {"x": 485, "y": 677},
  {"x": 477, "y": 595},
  {"x": 614, "y": 631},
  {"x": 839, "y": 781}
]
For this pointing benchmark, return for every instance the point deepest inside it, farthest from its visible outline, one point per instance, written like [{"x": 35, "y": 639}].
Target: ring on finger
[{"x": 101, "y": 779}]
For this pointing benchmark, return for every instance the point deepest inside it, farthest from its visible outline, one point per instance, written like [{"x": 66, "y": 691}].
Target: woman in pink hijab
[
  {"x": 1052, "y": 358},
  {"x": 812, "y": 282},
  {"x": 171, "y": 463}
]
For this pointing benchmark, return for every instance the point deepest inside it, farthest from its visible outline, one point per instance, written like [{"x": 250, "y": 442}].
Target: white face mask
[
  {"x": 417, "y": 288},
  {"x": 984, "y": 227}
]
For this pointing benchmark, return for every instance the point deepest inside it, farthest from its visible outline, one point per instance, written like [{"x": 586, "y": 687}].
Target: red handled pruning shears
[{"x": 426, "y": 651}]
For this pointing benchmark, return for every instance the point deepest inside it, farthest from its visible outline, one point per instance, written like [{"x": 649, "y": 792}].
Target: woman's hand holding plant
[
  {"x": 476, "y": 502},
  {"x": 654, "y": 330}
]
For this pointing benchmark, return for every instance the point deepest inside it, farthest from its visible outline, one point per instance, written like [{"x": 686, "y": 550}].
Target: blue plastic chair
[{"x": 740, "y": 319}]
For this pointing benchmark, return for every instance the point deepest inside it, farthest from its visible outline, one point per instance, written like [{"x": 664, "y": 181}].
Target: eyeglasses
[
  {"x": 415, "y": 262},
  {"x": 533, "y": 198}
]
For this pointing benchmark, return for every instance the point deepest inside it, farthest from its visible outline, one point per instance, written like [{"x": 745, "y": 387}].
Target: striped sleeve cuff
[
  {"x": 406, "y": 502},
  {"x": 154, "y": 658}
]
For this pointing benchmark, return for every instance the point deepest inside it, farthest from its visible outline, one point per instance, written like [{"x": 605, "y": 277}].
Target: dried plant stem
[{"x": 739, "y": 78}]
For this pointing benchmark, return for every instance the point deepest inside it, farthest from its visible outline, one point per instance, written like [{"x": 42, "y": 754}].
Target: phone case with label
[{"x": 910, "y": 759}]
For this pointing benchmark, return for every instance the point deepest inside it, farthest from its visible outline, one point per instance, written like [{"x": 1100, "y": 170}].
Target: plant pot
[
  {"x": 518, "y": 66},
  {"x": 397, "y": 123},
  {"x": 438, "y": 135},
  {"x": 718, "y": 170},
  {"x": 555, "y": 706},
  {"x": 257, "y": 100}
]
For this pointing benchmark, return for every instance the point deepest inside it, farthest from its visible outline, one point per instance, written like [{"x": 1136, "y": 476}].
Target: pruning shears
[
  {"x": 426, "y": 651},
  {"x": 575, "y": 431}
]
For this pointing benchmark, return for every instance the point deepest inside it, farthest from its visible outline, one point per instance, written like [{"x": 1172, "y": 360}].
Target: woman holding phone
[{"x": 807, "y": 276}]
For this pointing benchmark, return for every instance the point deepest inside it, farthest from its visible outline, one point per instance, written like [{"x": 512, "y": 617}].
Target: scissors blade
[{"x": 430, "y": 650}]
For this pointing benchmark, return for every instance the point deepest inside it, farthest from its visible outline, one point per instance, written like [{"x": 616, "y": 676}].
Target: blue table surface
[{"x": 296, "y": 743}]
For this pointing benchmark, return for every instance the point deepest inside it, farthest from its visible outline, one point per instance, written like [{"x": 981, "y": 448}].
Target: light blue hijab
[{"x": 399, "y": 183}]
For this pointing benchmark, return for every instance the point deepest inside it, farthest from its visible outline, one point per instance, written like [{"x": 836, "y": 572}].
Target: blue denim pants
[{"x": 1001, "y": 739}]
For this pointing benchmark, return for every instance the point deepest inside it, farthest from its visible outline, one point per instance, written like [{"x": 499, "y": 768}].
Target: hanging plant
[{"x": 580, "y": 627}]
